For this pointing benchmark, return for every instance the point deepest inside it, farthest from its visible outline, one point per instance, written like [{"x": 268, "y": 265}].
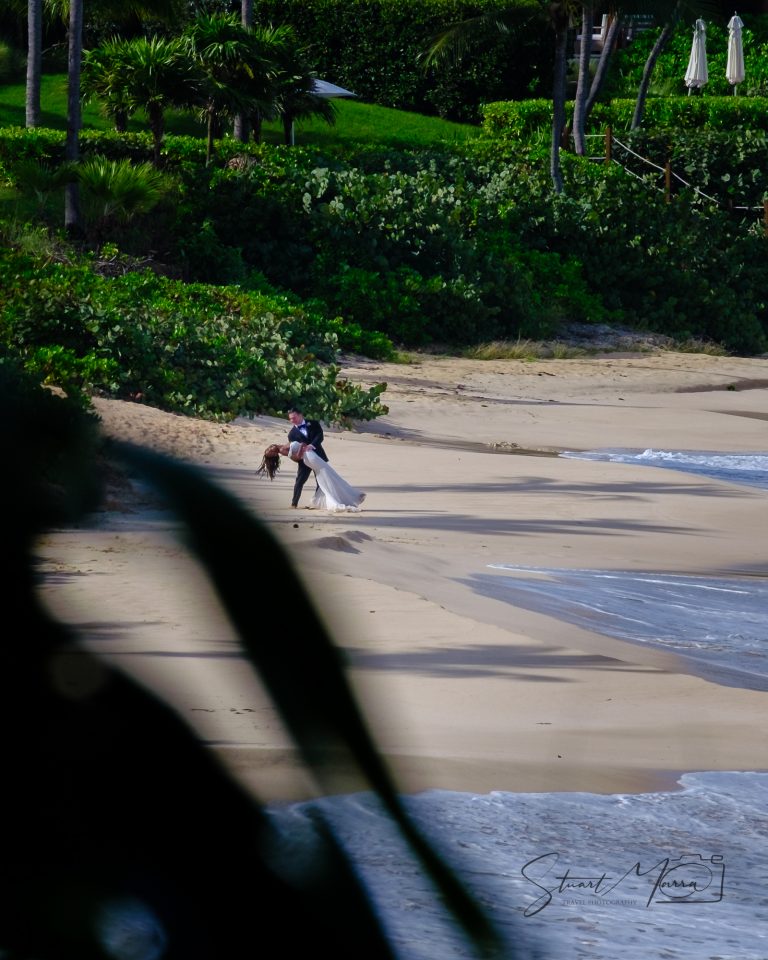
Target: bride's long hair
[{"x": 270, "y": 462}]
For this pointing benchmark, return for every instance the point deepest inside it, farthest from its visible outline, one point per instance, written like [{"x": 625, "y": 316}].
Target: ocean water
[
  {"x": 573, "y": 876},
  {"x": 677, "y": 875},
  {"x": 748, "y": 469},
  {"x": 721, "y": 623}
]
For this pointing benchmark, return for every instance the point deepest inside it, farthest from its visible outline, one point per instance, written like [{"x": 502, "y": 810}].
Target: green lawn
[{"x": 356, "y": 122}]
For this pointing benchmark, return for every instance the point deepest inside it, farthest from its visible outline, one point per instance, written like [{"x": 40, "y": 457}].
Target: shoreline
[{"x": 462, "y": 690}]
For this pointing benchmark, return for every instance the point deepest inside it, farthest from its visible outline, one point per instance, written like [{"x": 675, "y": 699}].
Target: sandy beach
[{"x": 462, "y": 690}]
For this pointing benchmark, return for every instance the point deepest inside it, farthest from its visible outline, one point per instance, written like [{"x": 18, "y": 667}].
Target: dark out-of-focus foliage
[{"x": 118, "y": 826}]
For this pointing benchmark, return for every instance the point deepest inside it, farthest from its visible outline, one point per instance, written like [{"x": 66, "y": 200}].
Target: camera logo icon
[{"x": 691, "y": 878}]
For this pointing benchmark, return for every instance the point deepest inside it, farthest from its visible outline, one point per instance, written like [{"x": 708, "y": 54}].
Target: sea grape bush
[
  {"x": 215, "y": 352},
  {"x": 453, "y": 246},
  {"x": 411, "y": 252}
]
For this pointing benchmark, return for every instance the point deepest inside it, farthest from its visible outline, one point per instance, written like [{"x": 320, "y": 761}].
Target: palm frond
[{"x": 301, "y": 671}]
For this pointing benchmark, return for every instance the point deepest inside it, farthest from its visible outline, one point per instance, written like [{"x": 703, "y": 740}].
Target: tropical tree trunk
[
  {"x": 209, "y": 138},
  {"x": 661, "y": 42},
  {"x": 240, "y": 129},
  {"x": 34, "y": 61},
  {"x": 558, "y": 98},
  {"x": 584, "y": 80},
  {"x": 288, "y": 129},
  {"x": 157, "y": 126},
  {"x": 256, "y": 123},
  {"x": 601, "y": 71},
  {"x": 72, "y": 146}
]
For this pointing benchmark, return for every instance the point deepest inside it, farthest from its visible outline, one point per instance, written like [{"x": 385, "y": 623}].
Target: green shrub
[
  {"x": 678, "y": 268},
  {"x": 520, "y": 121},
  {"x": 208, "y": 259},
  {"x": 727, "y": 166},
  {"x": 446, "y": 247},
  {"x": 115, "y": 192},
  {"x": 37, "y": 179},
  {"x": 215, "y": 352},
  {"x": 409, "y": 308},
  {"x": 516, "y": 120},
  {"x": 36, "y": 143}
]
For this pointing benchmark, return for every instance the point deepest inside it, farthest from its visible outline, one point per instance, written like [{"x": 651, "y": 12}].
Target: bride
[{"x": 333, "y": 492}]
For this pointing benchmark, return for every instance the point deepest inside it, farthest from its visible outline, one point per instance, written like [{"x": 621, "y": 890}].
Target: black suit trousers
[{"x": 302, "y": 475}]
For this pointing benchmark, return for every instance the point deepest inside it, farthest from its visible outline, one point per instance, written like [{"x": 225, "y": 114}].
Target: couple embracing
[{"x": 305, "y": 447}]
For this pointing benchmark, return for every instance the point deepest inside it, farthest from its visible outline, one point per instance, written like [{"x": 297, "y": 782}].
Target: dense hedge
[
  {"x": 215, "y": 352},
  {"x": 689, "y": 270},
  {"x": 521, "y": 120},
  {"x": 372, "y": 47},
  {"x": 455, "y": 248},
  {"x": 411, "y": 246},
  {"x": 405, "y": 244}
]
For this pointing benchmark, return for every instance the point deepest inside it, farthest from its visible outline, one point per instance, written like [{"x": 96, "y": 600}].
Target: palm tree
[
  {"x": 286, "y": 89},
  {"x": 298, "y": 101},
  {"x": 72, "y": 11},
  {"x": 104, "y": 78},
  {"x": 585, "y": 57},
  {"x": 34, "y": 60},
  {"x": 667, "y": 29},
  {"x": 222, "y": 52},
  {"x": 273, "y": 62},
  {"x": 240, "y": 130},
  {"x": 560, "y": 21},
  {"x": 150, "y": 74},
  {"x": 72, "y": 145},
  {"x": 255, "y": 73},
  {"x": 116, "y": 191},
  {"x": 617, "y": 22}
]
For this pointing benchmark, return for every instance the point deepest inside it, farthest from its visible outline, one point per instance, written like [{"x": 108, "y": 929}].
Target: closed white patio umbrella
[
  {"x": 697, "y": 75},
  {"x": 734, "y": 67}
]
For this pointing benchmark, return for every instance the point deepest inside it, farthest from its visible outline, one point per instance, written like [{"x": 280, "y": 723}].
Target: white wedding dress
[{"x": 334, "y": 493}]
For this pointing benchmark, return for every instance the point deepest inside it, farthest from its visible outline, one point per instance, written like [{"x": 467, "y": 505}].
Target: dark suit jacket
[{"x": 314, "y": 436}]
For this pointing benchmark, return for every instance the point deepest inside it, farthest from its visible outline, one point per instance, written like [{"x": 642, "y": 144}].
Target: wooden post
[
  {"x": 765, "y": 216},
  {"x": 667, "y": 181},
  {"x": 608, "y": 144}
]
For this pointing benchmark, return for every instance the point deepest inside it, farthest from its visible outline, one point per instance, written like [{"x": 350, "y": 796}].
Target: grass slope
[{"x": 356, "y": 122}]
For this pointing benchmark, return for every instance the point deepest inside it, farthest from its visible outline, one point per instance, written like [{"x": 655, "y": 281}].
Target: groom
[{"x": 305, "y": 431}]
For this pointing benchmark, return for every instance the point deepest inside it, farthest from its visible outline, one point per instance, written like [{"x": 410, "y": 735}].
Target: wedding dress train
[{"x": 334, "y": 493}]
